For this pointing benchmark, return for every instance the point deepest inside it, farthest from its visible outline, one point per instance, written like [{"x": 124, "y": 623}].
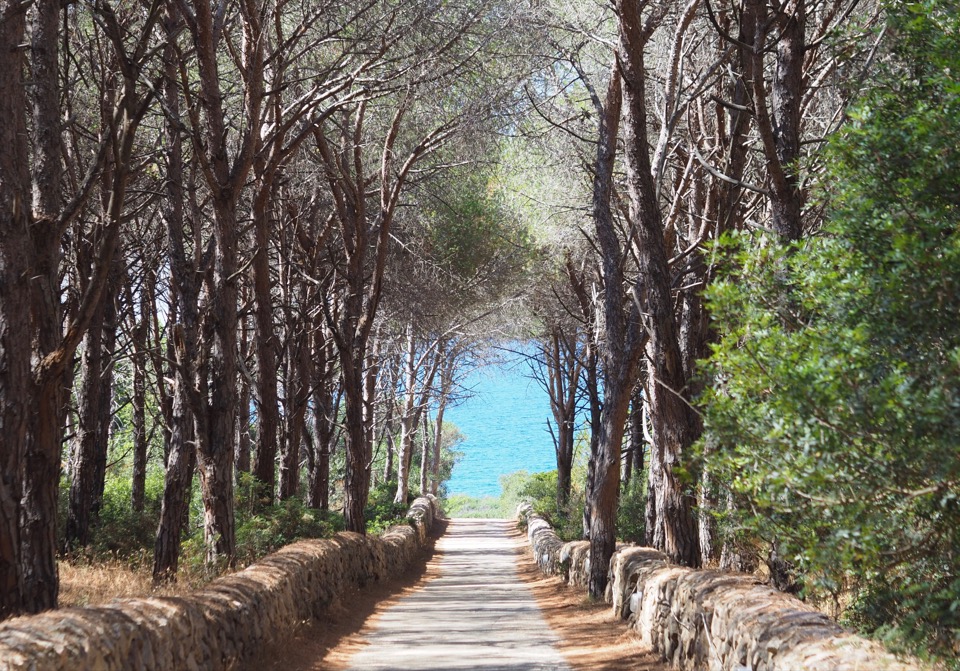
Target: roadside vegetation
[{"x": 250, "y": 252}]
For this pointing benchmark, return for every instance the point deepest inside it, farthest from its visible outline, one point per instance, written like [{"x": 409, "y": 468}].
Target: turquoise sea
[{"x": 505, "y": 426}]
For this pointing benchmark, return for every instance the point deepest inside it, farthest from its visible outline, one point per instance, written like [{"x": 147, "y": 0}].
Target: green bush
[
  {"x": 631, "y": 514},
  {"x": 381, "y": 512},
  {"x": 838, "y": 374},
  {"x": 274, "y": 526}
]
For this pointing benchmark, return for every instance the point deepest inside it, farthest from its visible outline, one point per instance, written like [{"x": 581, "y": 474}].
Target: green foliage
[
  {"x": 540, "y": 490},
  {"x": 381, "y": 512},
  {"x": 119, "y": 531},
  {"x": 470, "y": 232},
  {"x": 483, "y": 507},
  {"x": 838, "y": 393},
  {"x": 274, "y": 526},
  {"x": 631, "y": 513}
]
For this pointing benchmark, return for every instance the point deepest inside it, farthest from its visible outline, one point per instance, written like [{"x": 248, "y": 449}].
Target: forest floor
[{"x": 477, "y": 602}]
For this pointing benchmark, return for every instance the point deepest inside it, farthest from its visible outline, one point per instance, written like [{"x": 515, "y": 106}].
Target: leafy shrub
[
  {"x": 381, "y": 512},
  {"x": 272, "y": 527},
  {"x": 839, "y": 369},
  {"x": 631, "y": 514}
]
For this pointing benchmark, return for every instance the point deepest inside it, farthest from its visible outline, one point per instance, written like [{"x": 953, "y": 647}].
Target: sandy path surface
[{"x": 476, "y": 615}]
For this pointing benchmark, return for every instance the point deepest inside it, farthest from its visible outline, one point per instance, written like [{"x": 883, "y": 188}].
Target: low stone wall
[
  {"x": 222, "y": 624},
  {"x": 702, "y": 620},
  {"x": 544, "y": 541}
]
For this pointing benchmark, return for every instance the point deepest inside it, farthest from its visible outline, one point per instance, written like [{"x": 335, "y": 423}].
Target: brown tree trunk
[
  {"x": 675, "y": 425},
  {"x": 407, "y": 424},
  {"x": 621, "y": 354},
  {"x": 264, "y": 462},
  {"x": 357, "y": 480},
  {"x": 140, "y": 331},
  {"x": 15, "y": 244},
  {"x": 325, "y": 411},
  {"x": 180, "y": 459},
  {"x": 89, "y": 463},
  {"x": 562, "y": 378},
  {"x": 446, "y": 388},
  {"x": 424, "y": 457},
  {"x": 298, "y": 395},
  {"x": 241, "y": 460},
  {"x": 180, "y": 466},
  {"x": 42, "y": 456},
  {"x": 779, "y": 123}
]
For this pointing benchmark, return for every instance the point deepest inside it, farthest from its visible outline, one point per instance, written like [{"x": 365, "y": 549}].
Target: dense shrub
[{"x": 838, "y": 394}]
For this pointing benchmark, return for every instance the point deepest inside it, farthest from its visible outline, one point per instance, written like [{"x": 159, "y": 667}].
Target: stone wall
[
  {"x": 703, "y": 620},
  {"x": 223, "y": 624}
]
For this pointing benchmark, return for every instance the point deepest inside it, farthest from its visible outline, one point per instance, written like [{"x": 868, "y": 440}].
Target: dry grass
[{"x": 92, "y": 583}]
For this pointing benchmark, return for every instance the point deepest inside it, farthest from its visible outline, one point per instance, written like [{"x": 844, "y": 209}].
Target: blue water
[{"x": 505, "y": 426}]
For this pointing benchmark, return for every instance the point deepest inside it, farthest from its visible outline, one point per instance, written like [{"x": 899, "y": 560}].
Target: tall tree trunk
[
  {"x": 621, "y": 354},
  {"x": 140, "y": 331},
  {"x": 180, "y": 459},
  {"x": 357, "y": 480},
  {"x": 180, "y": 466},
  {"x": 15, "y": 294},
  {"x": 298, "y": 395},
  {"x": 215, "y": 442},
  {"x": 407, "y": 425},
  {"x": 446, "y": 388},
  {"x": 324, "y": 417},
  {"x": 779, "y": 123},
  {"x": 424, "y": 457},
  {"x": 241, "y": 460},
  {"x": 214, "y": 398},
  {"x": 44, "y": 433},
  {"x": 675, "y": 425},
  {"x": 89, "y": 462},
  {"x": 264, "y": 463}
]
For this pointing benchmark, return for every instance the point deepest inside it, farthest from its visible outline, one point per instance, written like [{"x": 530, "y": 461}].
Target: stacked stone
[
  {"x": 575, "y": 562},
  {"x": 221, "y": 625},
  {"x": 715, "y": 621},
  {"x": 544, "y": 541}
]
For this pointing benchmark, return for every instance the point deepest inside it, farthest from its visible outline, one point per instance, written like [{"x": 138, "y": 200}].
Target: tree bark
[
  {"x": 264, "y": 462},
  {"x": 42, "y": 456},
  {"x": 89, "y": 463},
  {"x": 675, "y": 425},
  {"x": 15, "y": 350},
  {"x": 325, "y": 410},
  {"x": 140, "y": 331},
  {"x": 621, "y": 353}
]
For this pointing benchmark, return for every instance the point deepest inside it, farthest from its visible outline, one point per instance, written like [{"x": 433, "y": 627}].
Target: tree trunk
[
  {"x": 140, "y": 331},
  {"x": 297, "y": 399},
  {"x": 181, "y": 463},
  {"x": 357, "y": 480},
  {"x": 88, "y": 467},
  {"x": 674, "y": 423},
  {"x": 241, "y": 460},
  {"x": 621, "y": 354},
  {"x": 324, "y": 418},
  {"x": 180, "y": 459},
  {"x": 15, "y": 244},
  {"x": 42, "y": 457},
  {"x": 407, "y": 425},
  {"x": 264, "y": 462},
  {"x": 424, "y": 458}
]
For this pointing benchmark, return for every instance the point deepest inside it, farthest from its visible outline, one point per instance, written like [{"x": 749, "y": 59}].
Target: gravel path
[{"x": 476, "y": 616}]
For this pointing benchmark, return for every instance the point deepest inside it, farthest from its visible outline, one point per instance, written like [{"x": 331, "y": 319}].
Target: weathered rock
[
  {"x": 223, "y": 624},
  {"x": 710, "y": 620}
]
